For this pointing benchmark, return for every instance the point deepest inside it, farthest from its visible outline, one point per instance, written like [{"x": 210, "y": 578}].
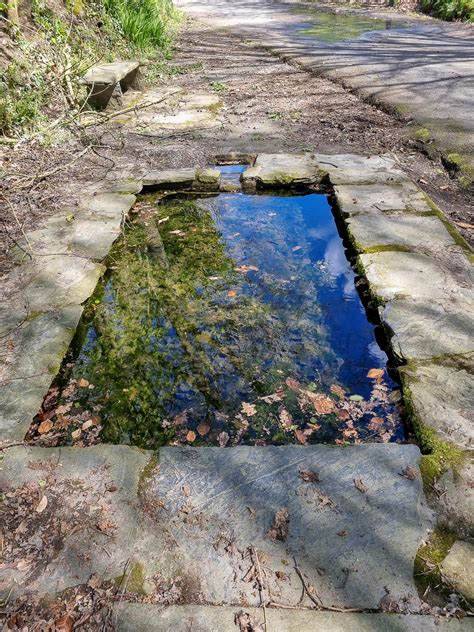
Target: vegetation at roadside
[
  {"x": 52, "y": 44},
  {"x": 449, "y": 9}
]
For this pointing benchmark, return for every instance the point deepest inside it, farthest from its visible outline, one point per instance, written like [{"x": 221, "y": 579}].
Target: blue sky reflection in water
[{"x": 239, "y": 324}]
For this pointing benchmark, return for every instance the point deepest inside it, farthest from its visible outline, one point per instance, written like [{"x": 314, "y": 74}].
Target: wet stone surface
[{"x": 228, "y": 320}]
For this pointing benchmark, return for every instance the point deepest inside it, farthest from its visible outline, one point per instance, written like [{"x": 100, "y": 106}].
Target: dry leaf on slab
[
  {"x": 409, "y": 472},
  {"x": 309, "y": 476},
  {"x": 43, "y": 503},
  {"x": 248, "y": 623},
  {"x": 279, "y": 528},
  {"x": 361, "y": 486}
]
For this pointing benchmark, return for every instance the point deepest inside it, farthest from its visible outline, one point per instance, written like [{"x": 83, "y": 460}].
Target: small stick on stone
[
  {"x": 318, "y": 601},
  {"x": 260, "y": 585}
]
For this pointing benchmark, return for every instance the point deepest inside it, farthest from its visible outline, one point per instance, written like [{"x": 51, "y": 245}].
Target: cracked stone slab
[
  {"x": 455, "y": 498},
  {"x": 369, "y": 230},
  {"x": 107, "y": 204},
  {"x": 283, "y": 170},
  {"x": 427, "y": 329},
  {"x": 441, "y": 398},
  {"x": 356, "y": 169},
  {"x": 380, "y": 197},
  {"x": 169, "y": 179},
  {"x": 59, "y": 280},
  {"x": 184, "y": 119},
  {"x": 224, "y": 501},
  {"x": 395, "y": 274},
  {"x": 458, "y": 568},
  {"x": 130, "y": 617},
  {"x": 95, "y": 484}
]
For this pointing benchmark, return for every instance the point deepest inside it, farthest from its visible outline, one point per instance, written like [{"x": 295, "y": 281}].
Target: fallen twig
[{"x": 260, "y": 584}]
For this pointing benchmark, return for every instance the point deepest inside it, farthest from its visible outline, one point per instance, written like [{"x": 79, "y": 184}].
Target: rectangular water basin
[{"x": 224, "y": 320}]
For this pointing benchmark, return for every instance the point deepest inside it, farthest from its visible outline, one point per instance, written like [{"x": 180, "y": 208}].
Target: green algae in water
[
  {"x": 229, "y": 320},
  {"x": 332, "y": 28}
]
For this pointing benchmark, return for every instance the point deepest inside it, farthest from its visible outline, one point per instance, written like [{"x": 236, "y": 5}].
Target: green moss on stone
[
  {"x": 147, "y": 473},
  {"x": 457, "y": 237},
  {"x": 132, "y": 580},
  {"x": 422, "y": 134},
  {"x": 427, "y": 572}
]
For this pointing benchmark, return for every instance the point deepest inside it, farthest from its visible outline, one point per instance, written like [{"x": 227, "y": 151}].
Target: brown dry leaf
[
  {"x": 296, "y": 248},
  {"x": 45, "y": 426},
  {"x": 246, "y": 269},
  {"x": 300, "y": 436},
  {"x": 293, "y": 384},
  {"x": 286, "y": 419},
  {"x": 322, "y": 404},
  {"x": 247, "y": 622},
  {"x": 231, "y": 293},
  {"x": 342, "y": 533},
  {"x": 63, "y": 408},
  {"x": 223, "y": 439},
  {"x": 106, "y": 526},
  {"x": 409, "y": 472},
  {"x": 87, "y": 424},
  {"x": 375, "y": 374},
  {"x": 249, "y": 409},
  {"x": 186, "y": 490},
  {"x": 190, "y": 436},
  {"x": 279, "y": 528},
  {"x": 343, "y": 415},
  {"x": 63, "y": 422},
  {"x": 375, "y": 423},
  {"x": 309, "y": 476},
  {"x": 64, "y": 624},
  {"x": 465, "y": 225},
  {"x": 43, "y": 503},
  {"x": 337, "y": 390},
  {"x": 203, "y": 429},
  {"x": 361, "y": 486},
  {"x": 349, "y": 433},
  {"x": 83, "y": 383},
  {"x": 23, "y": 565},
  {"x": 76, "y": 434}
]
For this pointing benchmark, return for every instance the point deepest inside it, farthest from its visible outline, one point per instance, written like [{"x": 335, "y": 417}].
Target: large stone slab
[
  {"x": 107, "y": 204},
  {"x": 441, "y": 398},
  {"x": 356, "y": 169},
  {"x": 169, "y": 179},
  {"x": 111, "y": 72},
  {"x": 423, "y": 329},
  {"x": 134, "y": 617},
  {"x": 94, "y": 516},
  {"x": 273, "y": 170},
  {"x": 394, "y": 274},
  {"x": 458, "y": 568},
  {"x": 370, "y": 230},
  {"x": 59, "y": 280},
  {"x": 380, "y": 197},
  {"x": 215, "y": 506}
]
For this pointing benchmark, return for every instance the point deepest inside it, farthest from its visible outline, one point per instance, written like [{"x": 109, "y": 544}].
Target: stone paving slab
[
  {"x": 370, "y": 198},
  {"x": 441, "y": 397},
  {"x": 393, "y": 274},
  {"x": 428, "y": 329},
  {"x": 107, "y": 204},
  {"x": 370, "y": 230},
  {"x": 283, "y": 170},
  {"x": 169, "y": 178},
  {"x": 458, "y": 568},
  {"x": 94, "y": 486},
  {"x": 214, "y": 504},
  {"x": 356, "y": 169},
  {"x": 135, "y": 617}
]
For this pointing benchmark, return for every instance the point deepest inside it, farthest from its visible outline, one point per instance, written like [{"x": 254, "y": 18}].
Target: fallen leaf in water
[
  {"x": 76, "y": 434},
  {"x": 349, "y": 433},
  {"x": 178, "y": 232},
  {"x": 300, "y": 436},
  {"x": 190, "y": 436},
  {"x": 279, "y": 528},
  {"x": 63, "y": 408},
  {"x": 246, "y": 269},
  {"x": 337, "y": 390},
  {"x": 293, "y": 384},
  {"x": 322, "y": 404},
  {"x": 249, "y": 409},
  {"x": 274, "y": 397},
  {"x": 296, "y": 248},
  {"x": 43, "y": 503},
  {"x": 83, "y": 383},
  {"x": 361, "y": 486},
  {"x": 223, "y": 439},
  {"x": 45, "y": 426},
  {"x": 343, "y": 415},
  {"x": 356, "y": 398},
  {"x": 375, "y": 423},
  {"x": 374, "y": 374},
  {"x": 286, "y": 419},
  {"x": 271, "y": 214},
  {"x": 231, "y": 293},
  {"x": 87, "y": 424},
  {"x": 409, "y": 472},
  {"x": 309, "y": 476},
  {"x": 165, "y": 219},
  {"x": 203, "y": 429}
]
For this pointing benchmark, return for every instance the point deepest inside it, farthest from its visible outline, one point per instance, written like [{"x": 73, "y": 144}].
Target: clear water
[
  {"x": 232, "y": 319},
  {"x": 332, "y": 28}
]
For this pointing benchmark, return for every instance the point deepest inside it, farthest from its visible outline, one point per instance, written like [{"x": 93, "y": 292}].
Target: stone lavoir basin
[{"x": 225, "y": 319}]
